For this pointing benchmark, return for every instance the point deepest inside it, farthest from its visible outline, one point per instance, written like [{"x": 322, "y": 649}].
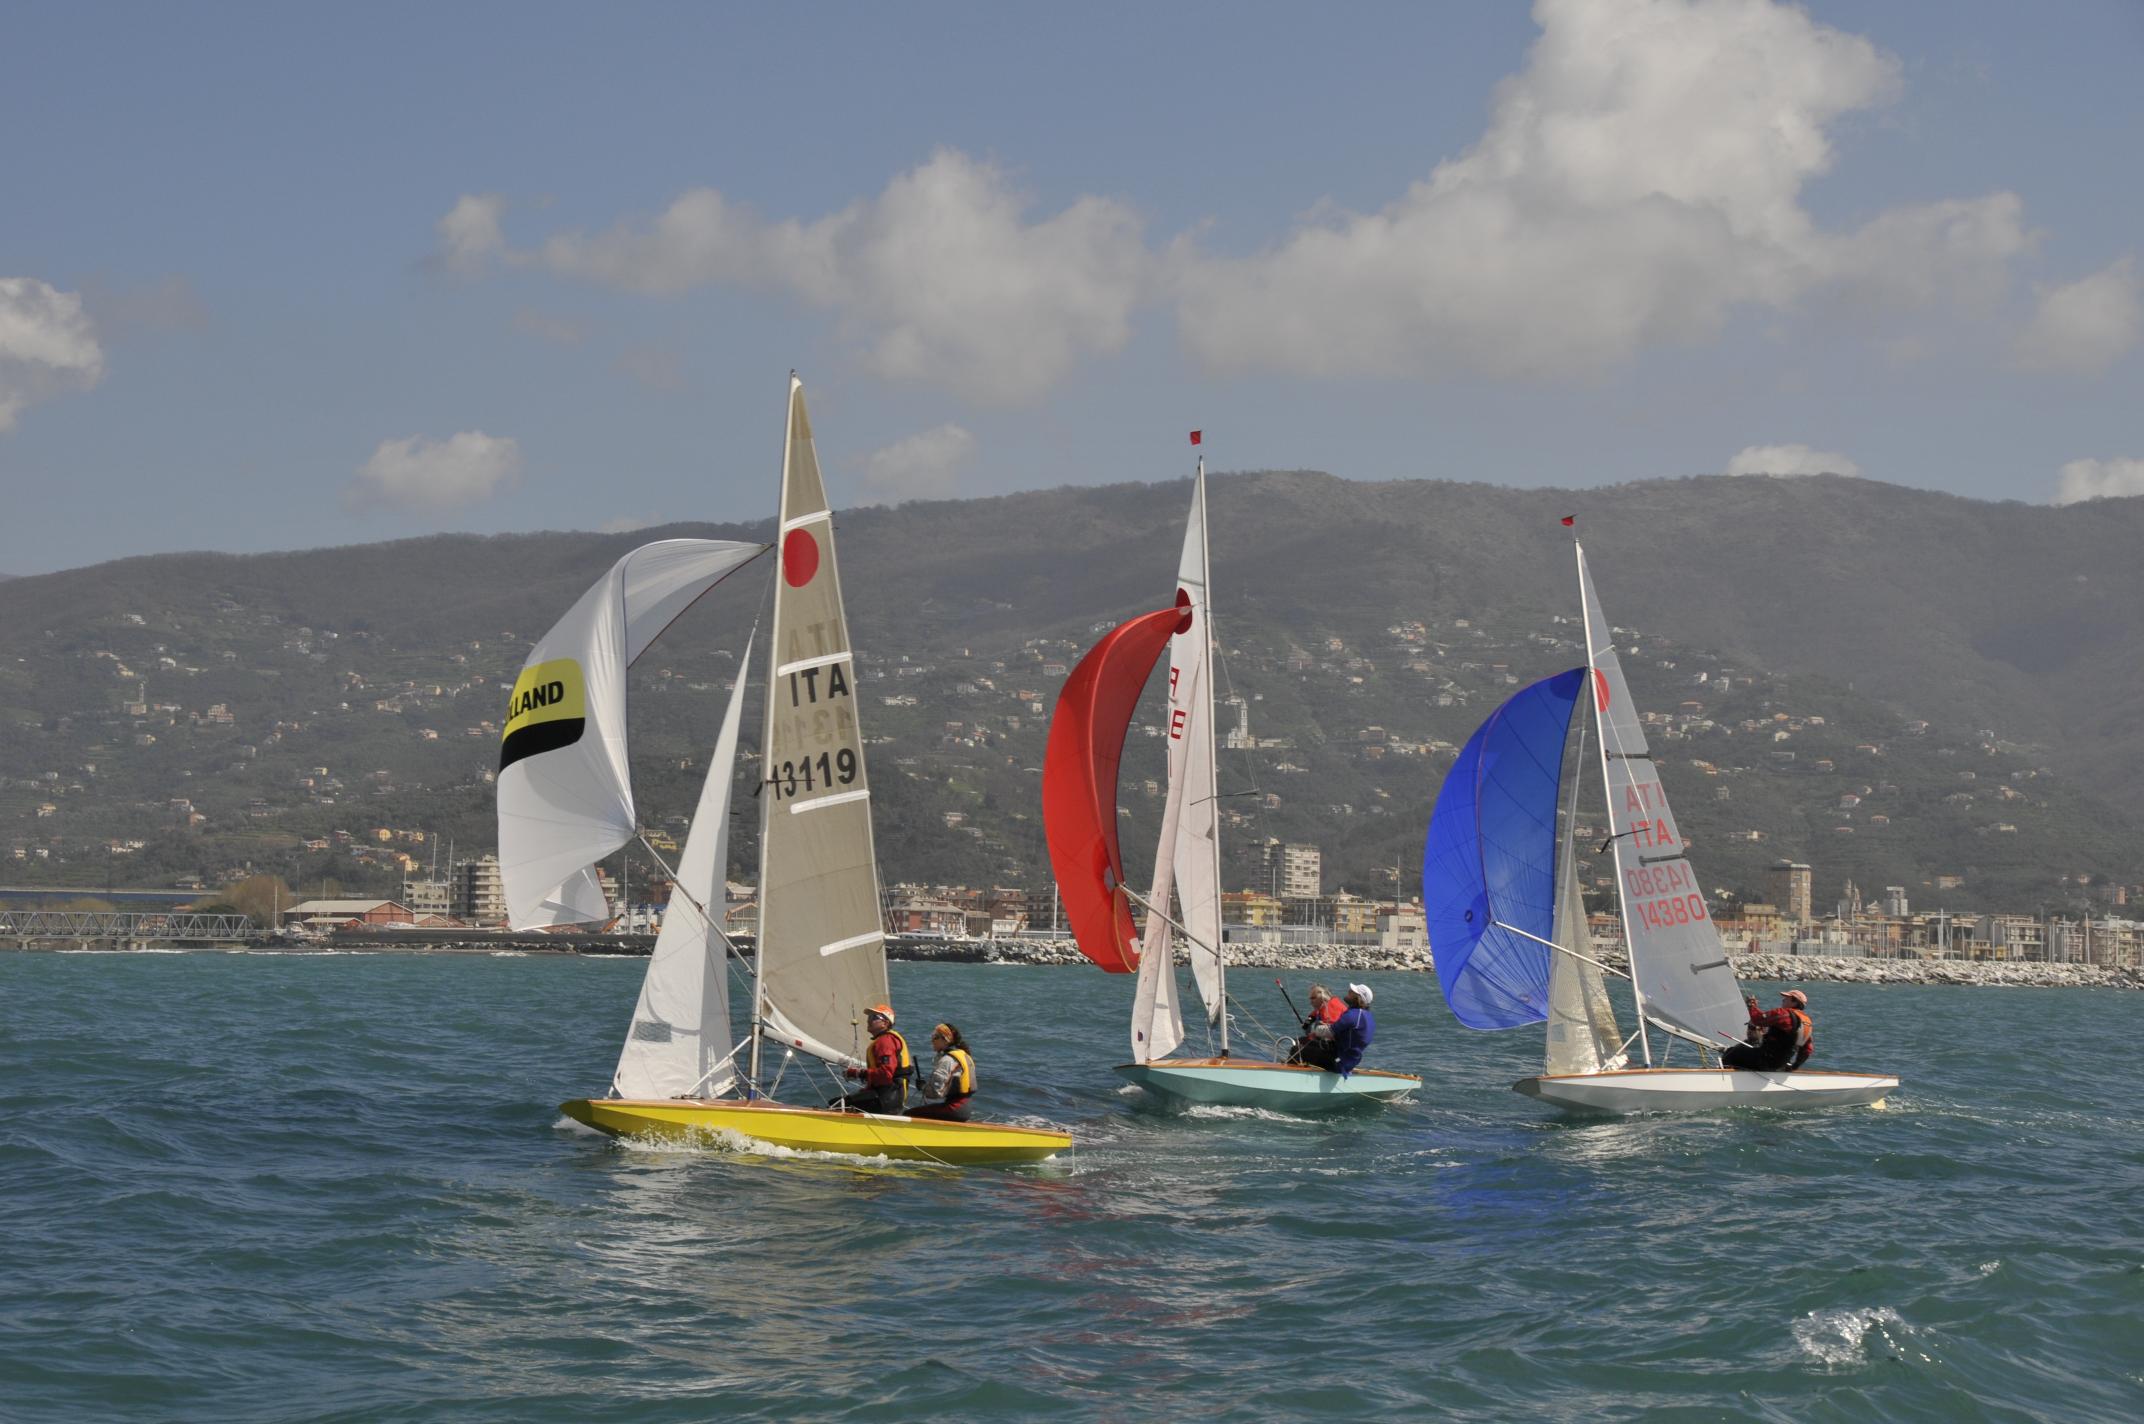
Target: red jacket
[
  {"x": 1334, "y": 1007},
  {"x": 887, "y": 1062},
  {"x": 1792, "y": 1022}
]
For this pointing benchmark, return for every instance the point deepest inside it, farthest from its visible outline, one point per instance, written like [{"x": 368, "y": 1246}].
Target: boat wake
[
  {"x": 1840, "y": 1338},
  {"x": 1234, "y": 1112},
  {"x": 578, "y": 1129}
]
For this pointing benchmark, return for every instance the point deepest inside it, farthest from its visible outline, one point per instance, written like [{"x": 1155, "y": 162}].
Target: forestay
[
  {"x": 822, "y": 942},
  {"x": 1489, "y": 865},
  {"x": 565, "y": 799},
  {"x": 1676, "y": 959},
  {"x": 680, "y": 1039},
  {"x": 1195, "y": 844}
]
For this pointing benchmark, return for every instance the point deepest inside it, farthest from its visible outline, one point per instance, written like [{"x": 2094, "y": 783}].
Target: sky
[{"x": 288, "y": 276}]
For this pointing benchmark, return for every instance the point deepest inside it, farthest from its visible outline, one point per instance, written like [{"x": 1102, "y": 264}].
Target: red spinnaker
[{"x": 1079, "y": 783}]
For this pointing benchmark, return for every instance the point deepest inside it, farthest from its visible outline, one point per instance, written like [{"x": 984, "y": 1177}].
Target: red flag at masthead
[
  {"x": 1569, "y": 520},
  {"x": 1195, "y": 436}
]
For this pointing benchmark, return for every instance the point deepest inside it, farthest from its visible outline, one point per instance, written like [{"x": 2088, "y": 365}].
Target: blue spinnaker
[{"x": 1491, "y": 858}]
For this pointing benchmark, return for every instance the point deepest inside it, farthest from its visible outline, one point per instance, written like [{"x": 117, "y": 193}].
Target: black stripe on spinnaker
[{"x": 542, "y": 737}]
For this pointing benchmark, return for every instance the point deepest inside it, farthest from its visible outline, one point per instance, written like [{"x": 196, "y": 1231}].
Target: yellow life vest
[{"x": 963, "y": 1084}]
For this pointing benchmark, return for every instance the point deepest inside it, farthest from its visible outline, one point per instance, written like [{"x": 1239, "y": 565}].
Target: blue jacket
[{"x": 1352, "y": 1033}]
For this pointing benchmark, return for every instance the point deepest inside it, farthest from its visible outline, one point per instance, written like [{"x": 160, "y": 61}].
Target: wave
[{"x": 1839, "y": 1338}]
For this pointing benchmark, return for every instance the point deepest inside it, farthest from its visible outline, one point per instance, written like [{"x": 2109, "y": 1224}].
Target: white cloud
[
  {"x": 469, "y": 235},
  {"x": 944, "y": 277},
  {"x": 1640, "y": 179},
  {"x": 923, "y": 466},
  {"x": 1790, "y": 460},
  {"x": 2087, "y": 325},
  {"x": 2099, "y": 479},
  {"x": 421, "y": 474},
  {"x": 48, "y": 346}
]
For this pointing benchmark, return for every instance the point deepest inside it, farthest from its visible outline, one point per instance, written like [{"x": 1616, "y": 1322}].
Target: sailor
[
  {"x": 1315, "y": 1045},
  {"x": 887, "y": 1068},
  {"x": 1353, "y": 1030},
  {"x": 1788, "y": 1035},
  {"x": 952, "y": 1077}
]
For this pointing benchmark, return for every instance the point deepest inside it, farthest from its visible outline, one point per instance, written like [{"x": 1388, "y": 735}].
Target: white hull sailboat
[
  {"x": 1640, "y": 1090},
  {"x": 1079, "y": 806},
  {"x": 565, "y": 802},
  {"x": 1507, "y": 924}
]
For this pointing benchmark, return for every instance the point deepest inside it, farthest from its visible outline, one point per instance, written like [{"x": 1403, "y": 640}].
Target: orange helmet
[{"x": 884, "y": 1011}]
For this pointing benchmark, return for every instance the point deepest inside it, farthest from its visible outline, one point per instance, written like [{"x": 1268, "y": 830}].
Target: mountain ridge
[{"x": 2001, "y": 624}]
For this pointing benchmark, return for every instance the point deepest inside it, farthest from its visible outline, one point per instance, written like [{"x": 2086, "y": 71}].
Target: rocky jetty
[{"x": 1342, "y": 958}]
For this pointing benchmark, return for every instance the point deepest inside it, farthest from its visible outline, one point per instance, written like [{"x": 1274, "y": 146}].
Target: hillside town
[{"x": 1291, "y": 907}]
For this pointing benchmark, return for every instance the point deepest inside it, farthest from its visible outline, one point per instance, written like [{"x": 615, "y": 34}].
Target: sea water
[{"x": 338, "y": 1187}]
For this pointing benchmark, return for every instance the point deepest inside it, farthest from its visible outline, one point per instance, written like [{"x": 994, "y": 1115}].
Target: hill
[{"x": 1896, "y": 686}]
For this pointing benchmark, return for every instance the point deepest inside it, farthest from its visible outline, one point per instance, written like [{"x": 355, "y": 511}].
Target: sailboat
[
  {"x": 819, "y": 958},
  {"x": 1079, "y": 811},
  {"x": 1507, "y": 924}
]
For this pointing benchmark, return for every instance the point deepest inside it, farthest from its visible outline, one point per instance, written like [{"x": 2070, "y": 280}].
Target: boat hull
[
  {"x": 1254, "y": 1083},
  {"x": 820, "y": 1130},
  {"x": 1638, "y": 1090}
]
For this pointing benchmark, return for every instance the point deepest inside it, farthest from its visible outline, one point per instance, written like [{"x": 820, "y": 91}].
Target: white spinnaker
[
  {"x": 565, "y": 800},
  {"x": 680, "y": 1039},
  {"x": 1157, "y": 1016},
  {"x": 822, "y": 940},
  {"x": 1196, "y": 845},
  {"x": 1582, "y": 1036},
  {"x": 1677, "y": 963}
]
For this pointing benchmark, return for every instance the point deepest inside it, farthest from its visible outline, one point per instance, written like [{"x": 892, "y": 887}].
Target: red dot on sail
[
  {"x": 1600, "y": 690},
  {"x": 1183, "y": 601},
  {"x": 800, "y": 557}
]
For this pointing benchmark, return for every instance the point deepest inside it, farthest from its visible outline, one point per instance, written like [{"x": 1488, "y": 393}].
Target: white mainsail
[
  {"x": 679, "y": 1043},
  {"x": 565, "y": 800},
  {"x": 1582, "y": 1036},
  {"x": 1677, "y": 964},
  {"x": 822, "y": 950},
  {"x": 1195, "y": 845},
  {"x": 1157, "y": 1017}
]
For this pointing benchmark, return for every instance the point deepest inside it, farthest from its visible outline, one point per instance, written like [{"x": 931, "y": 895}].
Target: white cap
[{"x": 1362, "y": 992}]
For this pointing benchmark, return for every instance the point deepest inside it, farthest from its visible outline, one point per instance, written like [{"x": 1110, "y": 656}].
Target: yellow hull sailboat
[
  {"x": 819, "y": 958},
  {"x": 907, "y": 1139}
]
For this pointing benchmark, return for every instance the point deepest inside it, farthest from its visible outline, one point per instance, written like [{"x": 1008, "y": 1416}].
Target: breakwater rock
[
  {"x": 1978, "y": 973},
  {"x": 1341, "y": 958}
]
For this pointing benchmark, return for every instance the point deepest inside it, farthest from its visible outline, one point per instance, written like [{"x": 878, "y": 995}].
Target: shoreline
[
  {"x": 1760, "y": 968},
  {"x": 1289, "y": 959}
]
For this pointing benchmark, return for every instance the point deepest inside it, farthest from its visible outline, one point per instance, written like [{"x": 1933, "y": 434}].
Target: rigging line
[
  {"x": 1260, "y": 1023},
  {"x": 1560, "y": 949},
  {"x": 677, "y": 887}
]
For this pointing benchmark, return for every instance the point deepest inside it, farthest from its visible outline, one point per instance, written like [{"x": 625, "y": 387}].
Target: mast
[
  {"x": 766, "y": 765},
  {"x": 1601, "y": 735},
  {"x": 1213, "y": 798}
]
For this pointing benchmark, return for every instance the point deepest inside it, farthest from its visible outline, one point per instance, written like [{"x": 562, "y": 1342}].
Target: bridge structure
[{"x": 122, "y": 929}]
